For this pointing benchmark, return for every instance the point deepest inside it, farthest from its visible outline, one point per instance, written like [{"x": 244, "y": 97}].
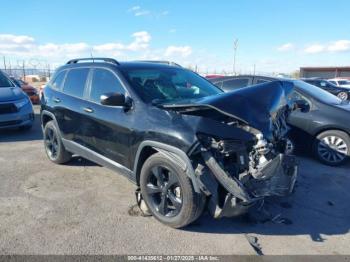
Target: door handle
[
  {"x": 56, "y": 100},
  {"x": 88, "y": 110}
]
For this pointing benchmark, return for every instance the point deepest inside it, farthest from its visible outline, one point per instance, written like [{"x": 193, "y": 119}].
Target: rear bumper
[{"x": 276, "y": 178}]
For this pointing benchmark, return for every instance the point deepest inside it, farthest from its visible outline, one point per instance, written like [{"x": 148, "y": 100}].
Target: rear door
[
  {"x": 70, "y": 103},
  {"x": 106, "y": 128}
]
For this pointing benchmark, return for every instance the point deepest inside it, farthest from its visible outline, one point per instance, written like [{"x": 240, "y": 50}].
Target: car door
[
  {"x": 106, "y": 128},
  {"x": 69, "y": 103}
]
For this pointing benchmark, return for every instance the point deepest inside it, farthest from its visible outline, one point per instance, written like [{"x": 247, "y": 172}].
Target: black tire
[
  {"x": 332, "y": 147},
  {"x": 343, "y": 95},
  {"x": 189, "y": 205},
  {"x": 54, "y": 148}
]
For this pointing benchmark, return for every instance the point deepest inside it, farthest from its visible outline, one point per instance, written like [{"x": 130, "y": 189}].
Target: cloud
[
  {"x": 15, "y": 39},
  {"x": 138, "y": 11},
  {"x": 332, "y": 47},
  {"x": 339, "y": 46},
  {"x": 25, "y": 47},
  {"x": 182, "y": 51},
  {"x": 315, "y": 48},
  {"x": 173, "y": 30},
  {"x": 286, "y": 47}
]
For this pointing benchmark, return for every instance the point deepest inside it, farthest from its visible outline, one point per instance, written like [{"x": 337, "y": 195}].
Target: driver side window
[{"x": 104, "y": 81}]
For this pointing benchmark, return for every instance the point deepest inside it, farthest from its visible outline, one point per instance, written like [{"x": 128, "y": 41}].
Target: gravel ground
[{"x": 82, "y": 208}]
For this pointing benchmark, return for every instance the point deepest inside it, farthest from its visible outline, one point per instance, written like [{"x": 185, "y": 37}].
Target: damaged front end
[{"x": 235, "y": 173}]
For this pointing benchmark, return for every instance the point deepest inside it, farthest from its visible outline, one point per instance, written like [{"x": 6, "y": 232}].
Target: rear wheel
[
  {"x": 332, "y": 147},
  {"x": 168, "y": 192},
  {"x": 54, "y": 148}
]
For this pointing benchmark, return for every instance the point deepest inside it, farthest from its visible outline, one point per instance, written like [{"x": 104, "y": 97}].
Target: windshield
[
  {"x": 4, "y": 81},
  {"x": 168, "y": 85},
  {"x": 318, "y": 93}
]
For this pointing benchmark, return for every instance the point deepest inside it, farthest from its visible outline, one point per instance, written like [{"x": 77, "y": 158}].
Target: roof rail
[
  {"x": 107, "y": 60},
  {"x": 161, "y": 62}
]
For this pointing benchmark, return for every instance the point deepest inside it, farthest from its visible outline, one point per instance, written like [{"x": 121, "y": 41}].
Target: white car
[{"x": 340, "y": 82}]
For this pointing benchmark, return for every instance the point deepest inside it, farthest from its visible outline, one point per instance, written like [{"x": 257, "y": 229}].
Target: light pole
[{"x": 235, "y": 46}]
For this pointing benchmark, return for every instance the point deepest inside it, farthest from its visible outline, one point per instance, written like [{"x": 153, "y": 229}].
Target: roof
[
  {"x": 83, "y": 62},
  {"x": 326, "y": 68}
]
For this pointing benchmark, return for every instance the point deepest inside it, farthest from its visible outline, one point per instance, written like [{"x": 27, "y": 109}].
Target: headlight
[{"x": 21, "y": 103}]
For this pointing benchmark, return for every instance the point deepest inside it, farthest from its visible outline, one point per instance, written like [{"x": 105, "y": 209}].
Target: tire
[
  {"x": 332, "y": 147},
  {"x": 163, "y": 181},
  {"x": 54, "y": 148},
  {"x": 343, "y": 95}
]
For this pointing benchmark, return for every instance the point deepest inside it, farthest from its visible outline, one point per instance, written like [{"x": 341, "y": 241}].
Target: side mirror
[
  {"x": 302, "y": 105},
  {"x": 115, "y": 99}
]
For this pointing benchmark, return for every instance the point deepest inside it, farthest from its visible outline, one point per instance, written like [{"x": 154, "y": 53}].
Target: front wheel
[
  {"x": 168, "y": 192},
  {"x": 343, "y": 95},
  {"x": 332, "y": 147}
]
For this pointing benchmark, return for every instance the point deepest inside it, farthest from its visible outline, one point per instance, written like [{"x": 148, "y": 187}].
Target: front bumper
[
  {"x": 24, "y": 117},
  {"x": 275, "y": 178}
]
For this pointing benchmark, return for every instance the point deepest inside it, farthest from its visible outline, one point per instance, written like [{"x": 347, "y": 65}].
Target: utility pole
[
  {"x": 4, "y": 63},
  {"x": 235, "y": 46}
]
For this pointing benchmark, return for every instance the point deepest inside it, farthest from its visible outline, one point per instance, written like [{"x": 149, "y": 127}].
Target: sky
[{"x": 273, "y": 35}]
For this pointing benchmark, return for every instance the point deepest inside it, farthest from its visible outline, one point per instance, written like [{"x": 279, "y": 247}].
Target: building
[{"x": 325, "y": 72}]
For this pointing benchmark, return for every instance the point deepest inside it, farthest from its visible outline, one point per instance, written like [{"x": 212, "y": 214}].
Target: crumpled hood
[
  {"x": 264, "y": 107},
  {"x": 10, "y": 94}
]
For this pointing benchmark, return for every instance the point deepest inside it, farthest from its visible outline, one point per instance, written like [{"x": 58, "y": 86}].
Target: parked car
[
  {"x": 171, "y": 132},
  {"x": 322, "y": 126},
  {"x": 16, "y": 110},
  {"x": 341, "y": 92},
  {"x": 343, "y": 82},
  {"x": 31, "y": 91}
]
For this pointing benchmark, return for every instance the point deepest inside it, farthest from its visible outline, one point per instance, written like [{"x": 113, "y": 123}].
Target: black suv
[{"x": 180, "y": 139}]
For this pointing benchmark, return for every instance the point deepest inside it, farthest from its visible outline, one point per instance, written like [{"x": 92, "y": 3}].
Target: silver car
[{"x": 16, "y": 110}]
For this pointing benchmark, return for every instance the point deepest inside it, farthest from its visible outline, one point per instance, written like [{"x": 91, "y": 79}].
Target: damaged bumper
[{"x": 276, "y": 177}]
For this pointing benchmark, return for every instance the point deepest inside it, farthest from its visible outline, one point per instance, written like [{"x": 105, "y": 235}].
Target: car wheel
[
  {"x": 343, "y": 95},
  {"x": 54, "y": 148},
  {"x": 168, "y": 192},
  {"x": 332, "y": 147}
]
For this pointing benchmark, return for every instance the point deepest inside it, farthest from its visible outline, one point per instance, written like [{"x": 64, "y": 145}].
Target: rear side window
[
  {"x": 58, "y": 81},
  {"x": 75, "y": 82},
  {"x": 235, "y": 83},
  {"x": 104, "y": 81}
]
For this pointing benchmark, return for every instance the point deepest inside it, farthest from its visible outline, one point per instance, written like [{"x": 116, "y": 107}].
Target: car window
[
  {"x": 168, "y": 84},
  {"x": 58, "y": 81},
  {"x": 323, "y": 84},
  {"x": 235, "y": 83},
  {"x": 318, "y": 93},
  {"x": 218, "y": 84},
  {"x": 104, "y": 81},
  {"x": 333, "y": 82},
  {"x": 261, "y": 81},
  {"x": 75, "y": 82},
  {"x": 4, "y": 81}
]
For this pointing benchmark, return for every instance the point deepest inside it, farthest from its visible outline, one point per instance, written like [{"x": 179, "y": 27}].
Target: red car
[{"x": 31, "y": 91}]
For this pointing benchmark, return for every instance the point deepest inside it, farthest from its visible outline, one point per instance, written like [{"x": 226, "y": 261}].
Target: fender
[
  {"x": 175, "y": 155},
  {"x": 51, "y": 115}
]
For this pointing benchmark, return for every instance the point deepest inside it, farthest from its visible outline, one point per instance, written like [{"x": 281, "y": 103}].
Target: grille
[
  {"x": 10, "y": 123},
  {"x": 8, "y": 108}
]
